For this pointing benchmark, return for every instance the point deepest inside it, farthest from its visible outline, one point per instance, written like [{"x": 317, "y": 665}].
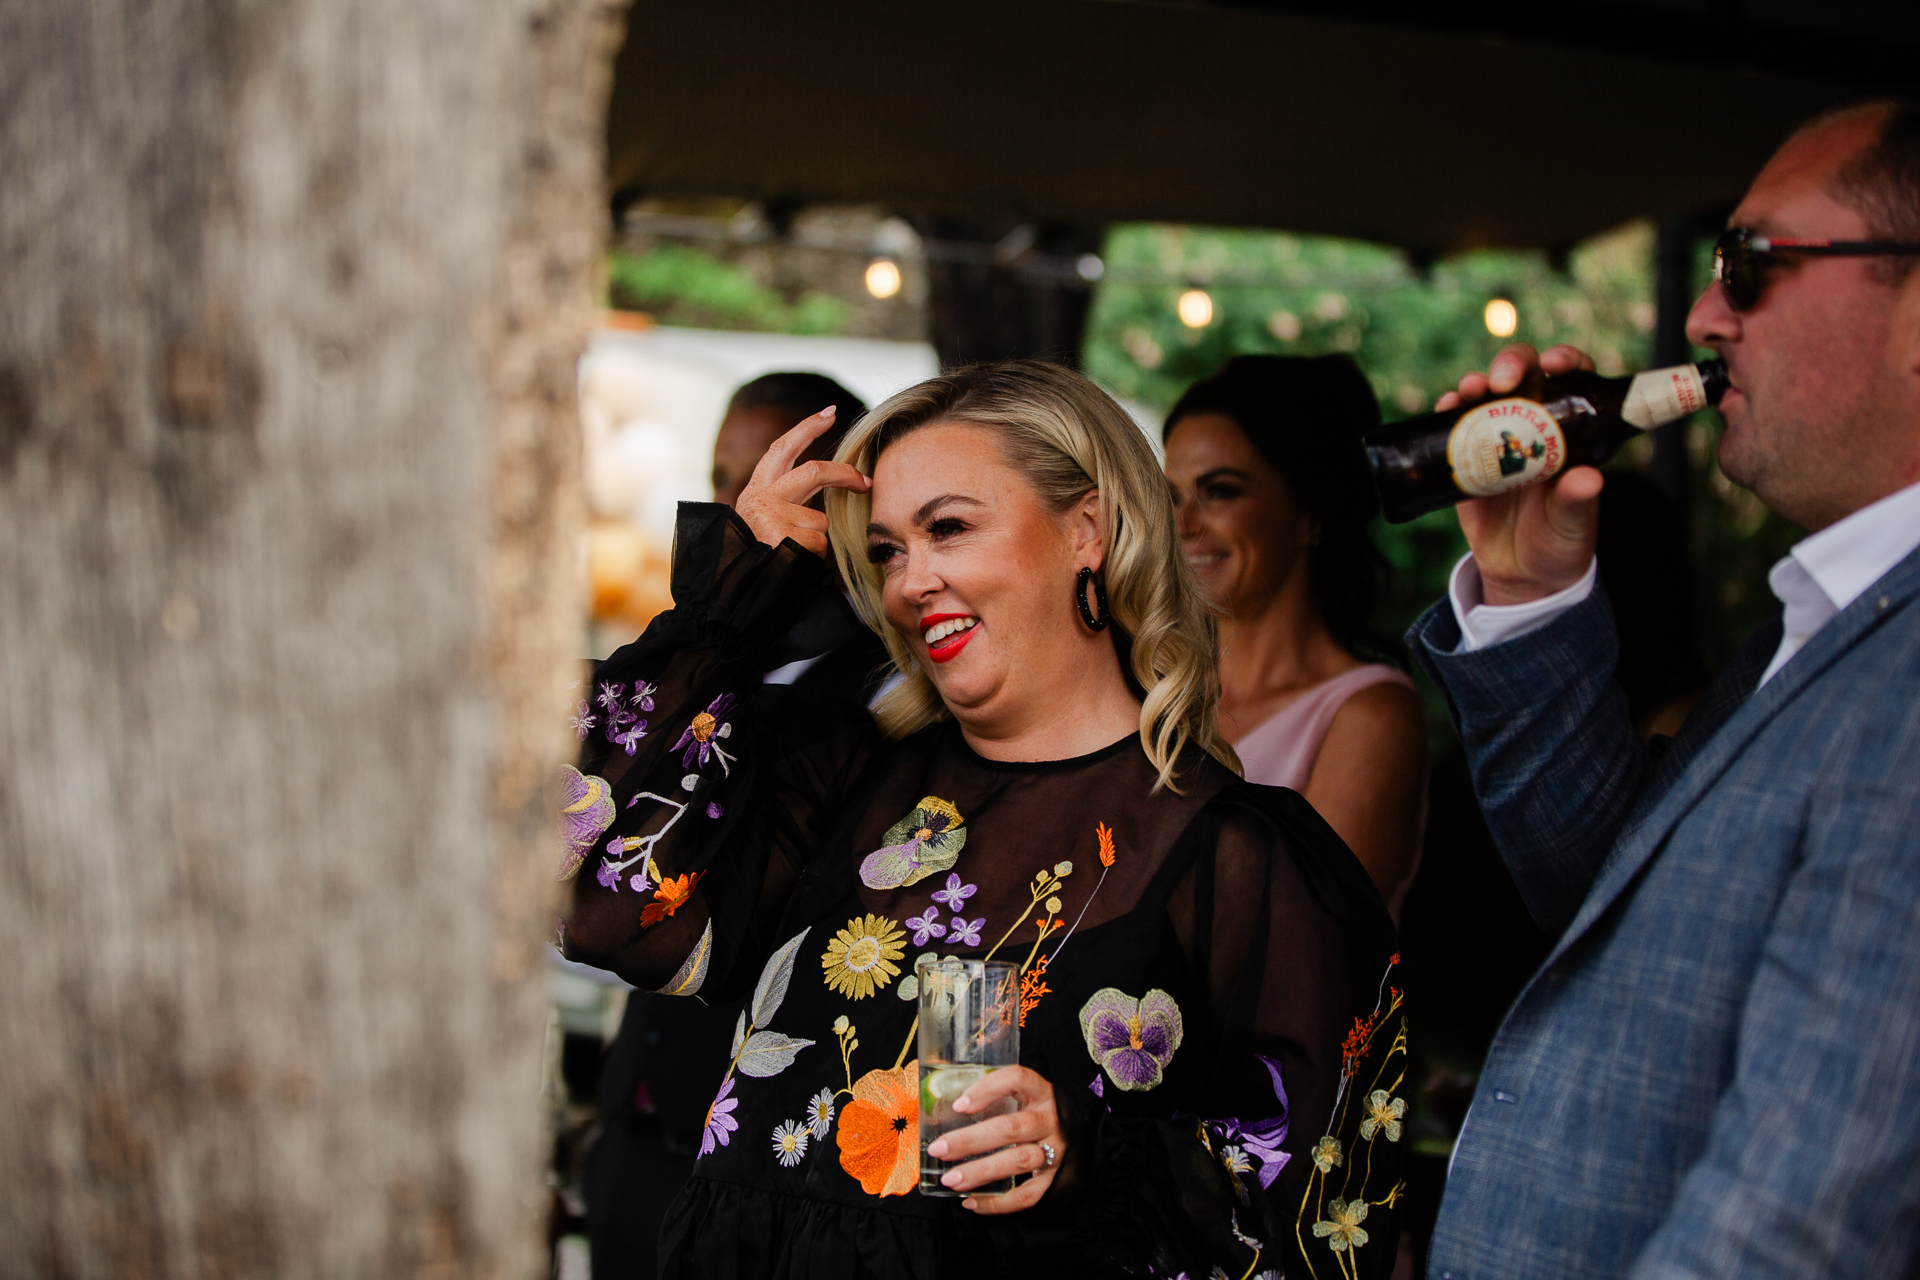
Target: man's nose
[{"x": 1713, "y": 318}]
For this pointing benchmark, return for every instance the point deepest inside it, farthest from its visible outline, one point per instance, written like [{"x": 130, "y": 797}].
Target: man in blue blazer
[{"x": 1717, "y": 1070}]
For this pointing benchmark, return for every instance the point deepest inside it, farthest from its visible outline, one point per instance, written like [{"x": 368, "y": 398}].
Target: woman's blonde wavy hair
[{"x": 1066, "y": 436}]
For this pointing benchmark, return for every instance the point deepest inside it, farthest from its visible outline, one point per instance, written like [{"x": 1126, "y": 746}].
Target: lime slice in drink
[{"x": 944, "y": 1084}]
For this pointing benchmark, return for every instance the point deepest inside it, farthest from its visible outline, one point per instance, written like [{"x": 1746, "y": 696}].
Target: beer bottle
[{"x": 1572, "y": 419}]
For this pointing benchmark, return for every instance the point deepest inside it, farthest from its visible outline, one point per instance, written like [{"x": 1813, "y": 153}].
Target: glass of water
[{"x": 969, "y": 1025}]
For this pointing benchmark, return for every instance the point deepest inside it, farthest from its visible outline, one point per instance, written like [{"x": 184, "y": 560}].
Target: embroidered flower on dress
[
  {"x": 1133, "y": 1039},
  {"x": 583, "y": 720},
  {"x": 1236, "y": 1160},
  {"x": 1327, "y": 1154},
  {"x": 879, "y": 1133},
  {"x": 714, "y": 810},
  {"x": 859, "y": 958},
  {"x": 964, "y": 933},
  {"x": 610, "y": 694},
  {"x": 586, "y": 810},
  {"x": 789, "y": 1143},
  {"x": 1341, "y": 1227},
  {"x": 720, "y": 1121},
  {"x": 926, "y": 926},
  {"x": 955, "y": 893},
  {"x": 926, "y": 841},
  {"x": 669, "y": 898},
  {"x": 699, "y": 737},
  {"x": 1383, "y": 1113},
  {"x": 1261, "y": 1139},
  {"x": 608, "y": 876},
  {"x": 631, "y": 738},
  {"x": 643, "y": 695},
  {"x": 820, "y": 1113}
]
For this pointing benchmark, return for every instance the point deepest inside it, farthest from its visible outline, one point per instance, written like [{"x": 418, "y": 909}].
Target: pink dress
[{"x": 1281, "y": 750}]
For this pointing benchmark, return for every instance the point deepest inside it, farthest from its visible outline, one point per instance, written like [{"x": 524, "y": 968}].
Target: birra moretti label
[{"x": 1503, "y": 445}]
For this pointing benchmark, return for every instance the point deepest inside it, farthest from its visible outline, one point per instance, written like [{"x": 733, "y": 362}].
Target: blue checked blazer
[{"x": 1717, "y": 1070}]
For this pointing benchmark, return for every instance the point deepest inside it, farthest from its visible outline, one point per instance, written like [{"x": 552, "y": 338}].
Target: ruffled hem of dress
[{"x": 727, "y": 1231}]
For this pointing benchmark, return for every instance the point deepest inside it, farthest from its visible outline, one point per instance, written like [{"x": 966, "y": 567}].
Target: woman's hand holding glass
[
  {"x": 774, "y": 502},
  {"x": 1014, "y": 1143}
]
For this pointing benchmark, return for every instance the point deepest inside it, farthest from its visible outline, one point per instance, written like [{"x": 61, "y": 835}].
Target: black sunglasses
[{"x": 1739, "y": 254}]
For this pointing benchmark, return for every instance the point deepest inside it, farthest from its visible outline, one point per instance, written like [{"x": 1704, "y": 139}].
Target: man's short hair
[
  {"x": 1882, "y": 183},
  {"x": 801, "y": 395}
]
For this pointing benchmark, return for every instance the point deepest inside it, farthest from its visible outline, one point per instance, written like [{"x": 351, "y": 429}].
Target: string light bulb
[
  {"x": 1195, "y": 308},
  {"x": 1502, "y": 317},
  {"x": 883, "y": 278}
]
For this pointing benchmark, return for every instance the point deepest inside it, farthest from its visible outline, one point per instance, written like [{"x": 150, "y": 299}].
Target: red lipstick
[{"x": 949, "y": 648}]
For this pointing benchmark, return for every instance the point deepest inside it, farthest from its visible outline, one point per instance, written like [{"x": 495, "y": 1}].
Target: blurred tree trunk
[{"x": 293, "y": 294}]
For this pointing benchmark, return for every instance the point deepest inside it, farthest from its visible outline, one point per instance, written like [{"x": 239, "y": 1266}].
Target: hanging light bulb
[
  {"x": 1195, "y": 308},
  {"x": 883, "y": 277},
  {"x": 1502, "y": 317}
]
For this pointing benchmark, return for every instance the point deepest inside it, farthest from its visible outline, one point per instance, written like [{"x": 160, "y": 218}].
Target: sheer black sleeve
[
  {"x": 1296, "y": 1166},
  {"x": 701, "y": 792}
]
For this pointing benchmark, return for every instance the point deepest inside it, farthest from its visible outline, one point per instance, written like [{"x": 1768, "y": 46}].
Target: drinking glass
[{"x": 969, "y": 1025}]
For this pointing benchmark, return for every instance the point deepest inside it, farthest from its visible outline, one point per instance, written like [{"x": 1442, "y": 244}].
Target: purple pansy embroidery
[
  {"x": 1132, "y": 1039},
  {"x": 700, "y": 740},
  {"x": 631, "y": 738},
  {"x": 926, "y": 926},
  {"x": 926, "y": 841},
  {"x": 643, "y": 695},
  {"x": 583, "y": 720},
  {"x": 955, "y": 893},
  {"x": 964, "y": 933},
  {"x": 610, "y": 694},
  {"x": 720, "y": 1121},
  {"x": 586, "y": 809},
  {"x": 1260, "y": 1140}
]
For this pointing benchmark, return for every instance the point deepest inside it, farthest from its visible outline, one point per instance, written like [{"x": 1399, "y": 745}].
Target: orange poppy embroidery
[
  {"x": 879, "y": 1131},
  {"x": 669, "y": 897}
]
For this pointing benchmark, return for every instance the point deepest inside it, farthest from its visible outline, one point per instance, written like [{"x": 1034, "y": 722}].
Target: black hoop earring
[{"x": 1099, "y": 593}]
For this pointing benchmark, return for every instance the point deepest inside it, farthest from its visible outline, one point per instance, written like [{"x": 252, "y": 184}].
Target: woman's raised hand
[
  {"x": 1026, "y": 1134},
  {"x": 774, "y": 502}
]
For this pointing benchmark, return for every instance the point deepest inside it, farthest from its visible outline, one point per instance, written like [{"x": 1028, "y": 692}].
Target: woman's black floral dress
[{"x": 1207, "y": 976}]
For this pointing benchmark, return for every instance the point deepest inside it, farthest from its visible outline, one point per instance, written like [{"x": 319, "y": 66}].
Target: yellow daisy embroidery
[{"x": 859, "y": 959}]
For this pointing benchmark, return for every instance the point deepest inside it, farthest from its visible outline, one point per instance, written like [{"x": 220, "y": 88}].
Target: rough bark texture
[{"x": 293, "y": 293}]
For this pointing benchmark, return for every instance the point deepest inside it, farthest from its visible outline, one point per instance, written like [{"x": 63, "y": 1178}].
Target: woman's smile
[{"x": 945, "y": 634}]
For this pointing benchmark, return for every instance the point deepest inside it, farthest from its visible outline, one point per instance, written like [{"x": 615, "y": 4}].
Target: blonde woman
[{"x": 1211, "y": 1046}]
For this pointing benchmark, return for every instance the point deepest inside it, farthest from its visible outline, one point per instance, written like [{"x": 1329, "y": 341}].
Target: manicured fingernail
[
  {"x": 962, "y": 1104},
  {"x": 972, "y": 1206},
  {"x": 951, "y": 1178},
  {"x": 938, "y": 1149},
  {"x": 829, "y": 411}
]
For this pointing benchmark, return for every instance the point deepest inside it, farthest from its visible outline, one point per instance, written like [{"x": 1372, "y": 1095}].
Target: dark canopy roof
[{"x": 1436, "y": 126}]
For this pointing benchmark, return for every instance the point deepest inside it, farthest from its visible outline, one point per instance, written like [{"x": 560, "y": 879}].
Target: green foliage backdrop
[{"x": 1415, "y": 332}]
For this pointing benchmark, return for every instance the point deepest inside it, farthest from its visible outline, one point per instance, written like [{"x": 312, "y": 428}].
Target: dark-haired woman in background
[{"x": 1274, "y": 503}]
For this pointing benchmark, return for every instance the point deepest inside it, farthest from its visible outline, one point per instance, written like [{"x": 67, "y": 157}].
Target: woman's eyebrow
[
  {"x": 925, "y": 513},
  {"x": 1222, "y": 473}
]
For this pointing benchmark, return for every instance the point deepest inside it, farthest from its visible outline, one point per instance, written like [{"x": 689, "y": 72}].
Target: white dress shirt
[{"x": 1822, "y": 575}]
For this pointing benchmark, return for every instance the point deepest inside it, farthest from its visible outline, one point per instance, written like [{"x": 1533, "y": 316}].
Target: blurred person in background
[
  {"x": 661, "y": 1070},
  {"x": 1274, "y": 501}
]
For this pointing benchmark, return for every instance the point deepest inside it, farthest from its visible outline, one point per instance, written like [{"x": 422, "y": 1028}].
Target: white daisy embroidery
[{"x": 789, "y": 1142}]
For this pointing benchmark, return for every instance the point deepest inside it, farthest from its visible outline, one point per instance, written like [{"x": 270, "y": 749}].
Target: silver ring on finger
[{"x": 1046, "y": 1149}]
